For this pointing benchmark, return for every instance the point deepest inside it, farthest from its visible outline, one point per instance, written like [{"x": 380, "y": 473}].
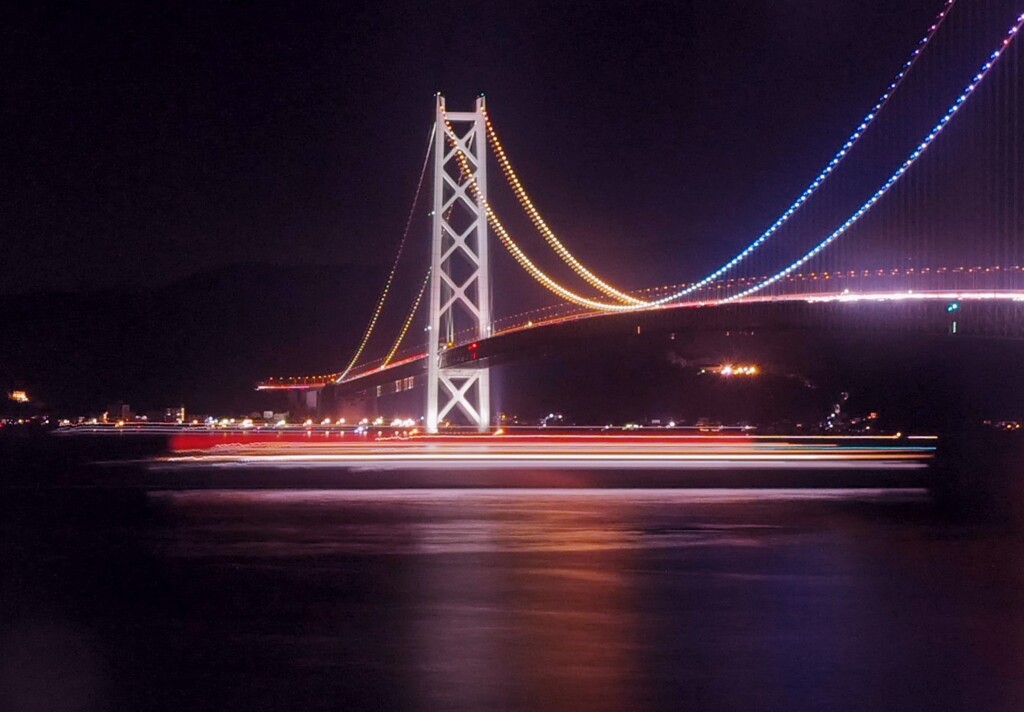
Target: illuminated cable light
[
  {"x": 394, "y": 267},
  {"x": 828, "y": 169},
  {"x": 538, "y": 221},
  {"x": 339, "y": 377},
  {"x": 408, "y": 321},
  {"x": 543, "y": 279},
  {"x": 518, "y": 323},
  {"x": 520, "y": 256},
  {"x": 635, "y": 304},
  {"x": 597, "y": 283},
  {"x": 917, "y": 152},
  {"x": 605, "y": 307}
]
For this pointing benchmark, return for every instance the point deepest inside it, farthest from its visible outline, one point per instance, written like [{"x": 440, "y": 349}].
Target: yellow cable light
[
  {"x": 408, "y": 321},
  {"x": 538, "y": 221},
  {"x": 543, "y": 279},
  {"x": 520, "y": 256},
  {"x": 394, "y": 268}
]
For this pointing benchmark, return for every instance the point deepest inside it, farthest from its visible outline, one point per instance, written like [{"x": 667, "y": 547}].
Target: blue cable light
[
  {"x": 827, "y": 170},
  {"x": 975, "y": 81}
]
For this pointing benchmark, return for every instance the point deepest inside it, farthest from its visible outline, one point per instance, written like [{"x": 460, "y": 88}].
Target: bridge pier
[
  {"x": 306, "y": 402},
  {"x": 356, "y": 407}
]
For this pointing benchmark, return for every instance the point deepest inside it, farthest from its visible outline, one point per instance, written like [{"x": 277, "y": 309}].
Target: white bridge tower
[{"x": 460, "y": 289}]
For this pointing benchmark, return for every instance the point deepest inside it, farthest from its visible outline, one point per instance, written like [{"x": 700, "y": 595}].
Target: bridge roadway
[{"x": 979, "y": 315}]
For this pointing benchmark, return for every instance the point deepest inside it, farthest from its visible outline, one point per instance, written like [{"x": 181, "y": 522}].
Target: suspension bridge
[{"x": 916, "y": 222}]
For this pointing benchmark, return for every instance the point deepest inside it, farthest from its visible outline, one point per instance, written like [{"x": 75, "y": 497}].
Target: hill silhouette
[{"x": 202, "y": 341}]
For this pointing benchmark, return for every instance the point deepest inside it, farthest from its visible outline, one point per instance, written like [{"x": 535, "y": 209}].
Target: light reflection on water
[
  {"x": 598, "y": 599},
  {"x": 466, "y": 521},
  {"x": 549, "y": 599}
]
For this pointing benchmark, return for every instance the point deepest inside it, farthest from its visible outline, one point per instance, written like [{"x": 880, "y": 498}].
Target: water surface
[{"x": 509, "y": 599}]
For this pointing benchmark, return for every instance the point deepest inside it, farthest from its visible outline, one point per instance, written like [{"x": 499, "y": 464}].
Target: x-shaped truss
[{"x": 460, "y": 278}]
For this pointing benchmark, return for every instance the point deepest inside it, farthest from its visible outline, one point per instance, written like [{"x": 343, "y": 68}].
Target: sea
[{"x": 122, "y": 589}]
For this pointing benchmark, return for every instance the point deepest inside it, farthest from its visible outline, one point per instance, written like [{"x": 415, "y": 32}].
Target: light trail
[{"x": 589, "y": 451}]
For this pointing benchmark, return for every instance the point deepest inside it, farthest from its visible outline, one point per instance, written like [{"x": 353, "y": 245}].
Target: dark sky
[{"x": 146, "y": 141}]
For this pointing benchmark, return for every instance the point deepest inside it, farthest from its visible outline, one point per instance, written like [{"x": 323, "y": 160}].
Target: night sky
[{"x": 147, "y": 141}]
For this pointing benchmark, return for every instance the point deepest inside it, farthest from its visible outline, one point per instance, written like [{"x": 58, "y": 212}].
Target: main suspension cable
[
  {"x": 538, "y": 221},
  {"x": 634, "y": 303},
  {"x": 847, "y": 146},
  {"x": 517, "y": 253},
  {"x": 915, "y": 154},
  {"x": 408, "y": 321},
  {"x": 394, "y": 267},
  {"x": 605, "y": 288}
]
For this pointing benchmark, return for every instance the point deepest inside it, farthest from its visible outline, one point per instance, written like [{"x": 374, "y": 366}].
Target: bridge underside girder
[
  {"x": 995, "y": 319},
  {"x": 989, "y": 319}
]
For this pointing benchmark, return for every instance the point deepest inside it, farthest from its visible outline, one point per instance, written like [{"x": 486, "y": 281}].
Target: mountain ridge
[{"x": 203, "y": 340}]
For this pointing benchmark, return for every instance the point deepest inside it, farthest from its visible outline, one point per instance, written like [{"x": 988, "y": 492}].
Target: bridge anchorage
[{"x": 460, "y": 294}]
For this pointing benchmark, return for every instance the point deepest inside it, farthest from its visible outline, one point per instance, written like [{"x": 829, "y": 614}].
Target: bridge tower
[{"x": 460, "y": 291}]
